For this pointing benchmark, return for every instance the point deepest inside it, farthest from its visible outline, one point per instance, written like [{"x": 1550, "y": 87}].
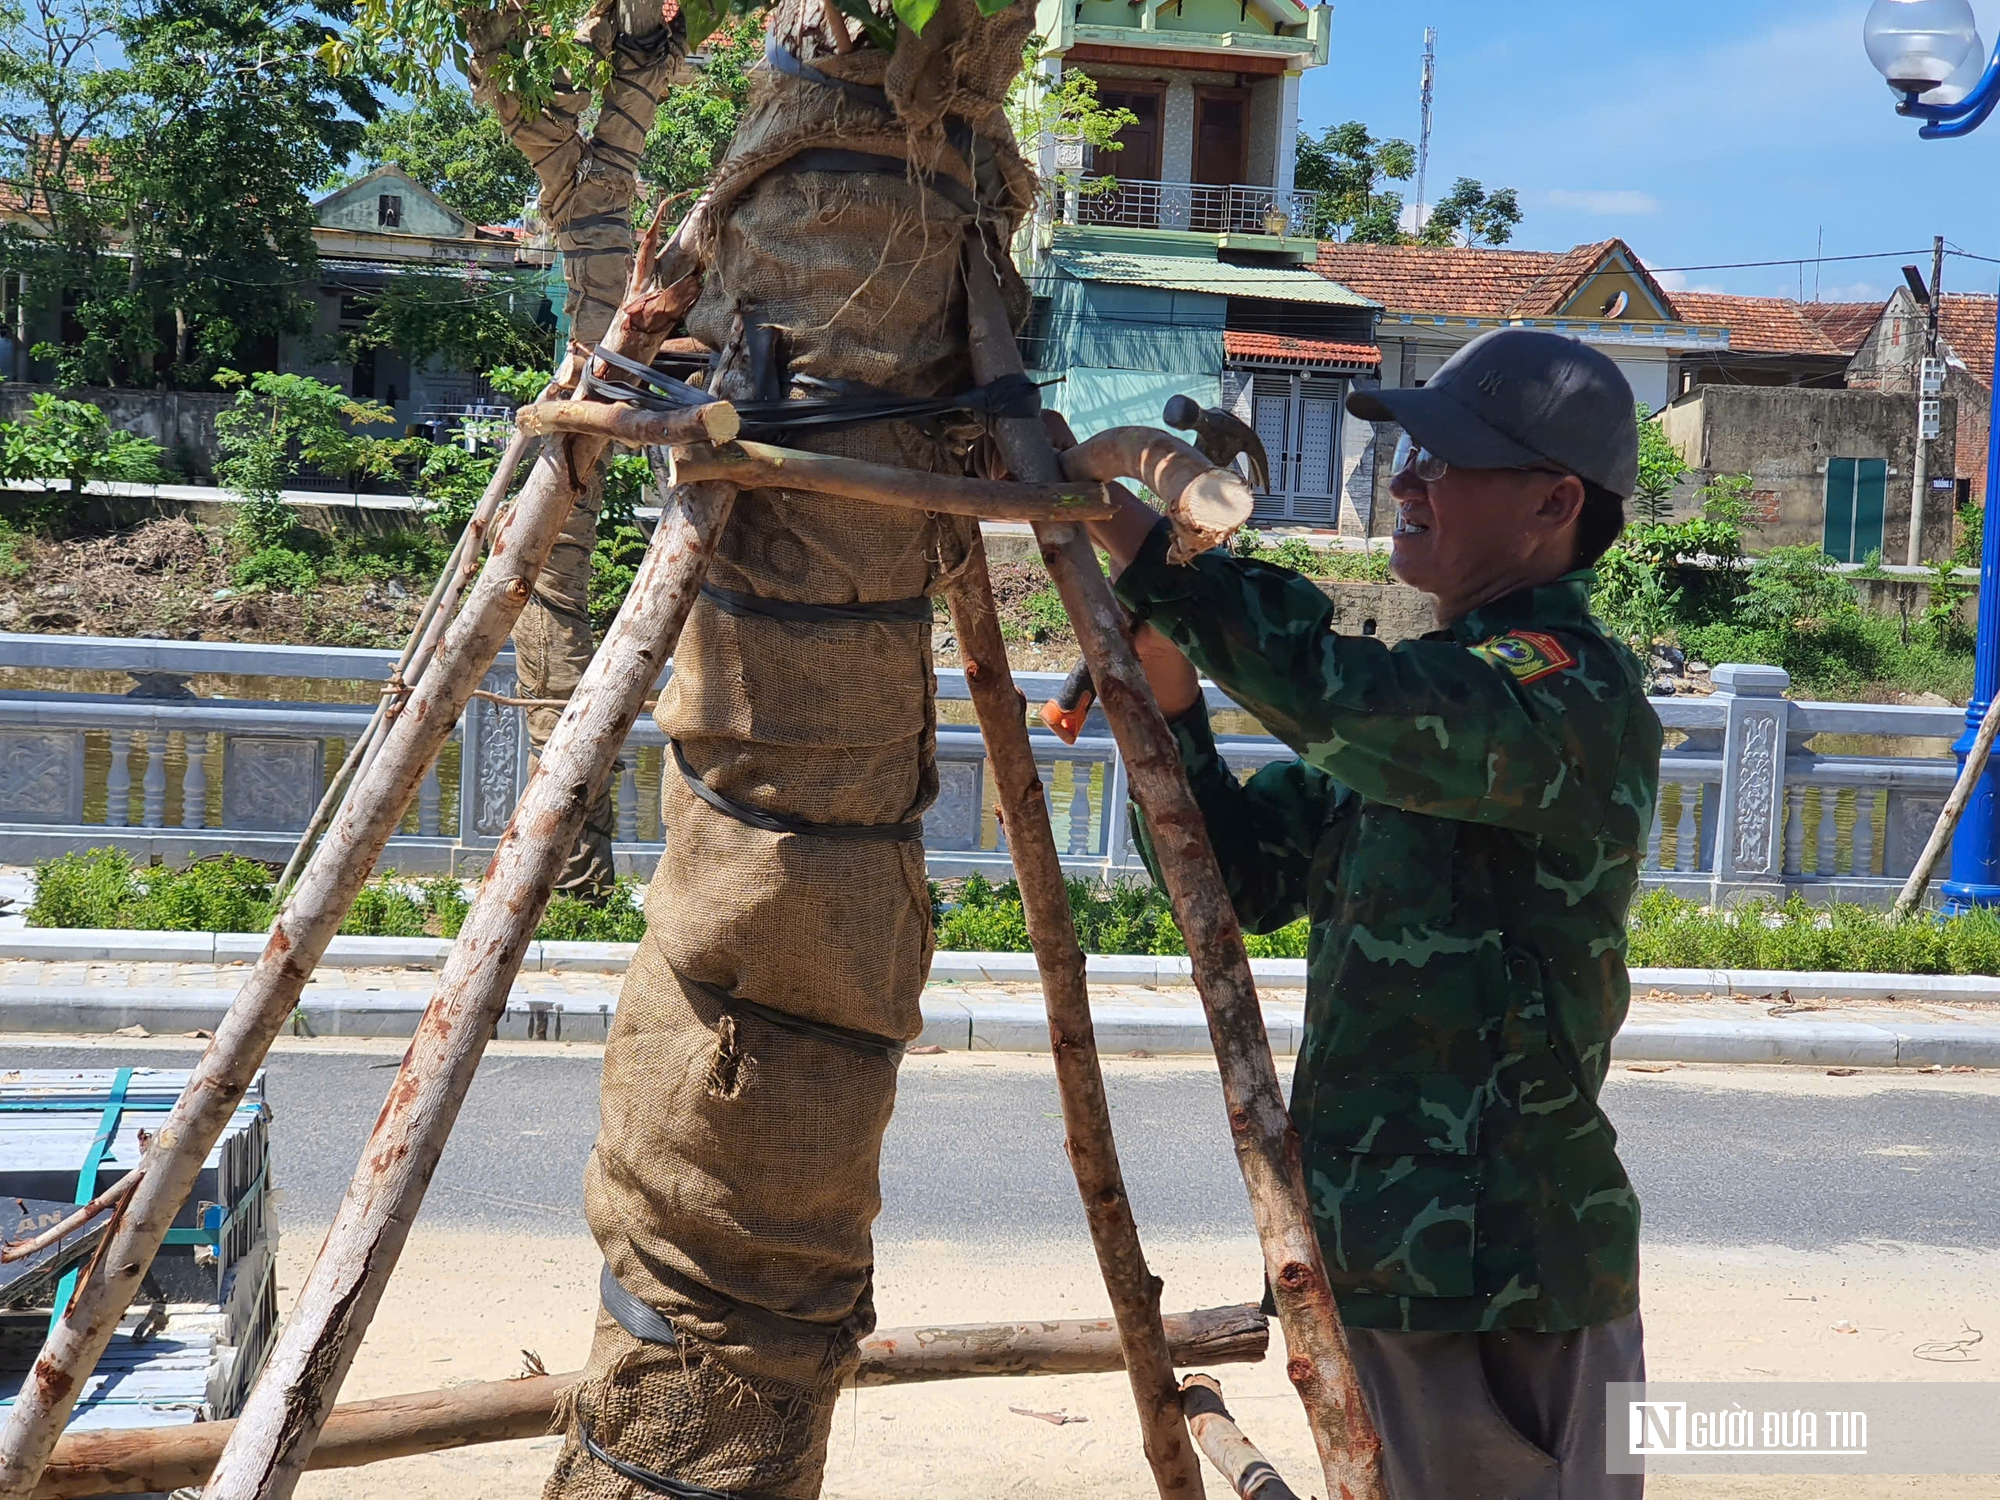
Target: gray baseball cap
[{"x": 1521, "y": 396}]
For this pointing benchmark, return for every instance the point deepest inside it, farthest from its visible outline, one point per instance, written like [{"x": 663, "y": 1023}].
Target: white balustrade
[{"x": 1745, "y": 804}]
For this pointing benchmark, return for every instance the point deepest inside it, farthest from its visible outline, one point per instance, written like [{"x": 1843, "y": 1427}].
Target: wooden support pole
[
  {"x": 459, "y": 571},
  {"x": 317, "y": 906},
  {"x": 1235, "y": 1457},
  {"x": 1267, "y": 1145},
  {"x": 768, "y": 466},
  {"x": 1093, "y": 1154},
  {"x": 281, "y": 1421},
  {"x": 159, "y": 1459}
]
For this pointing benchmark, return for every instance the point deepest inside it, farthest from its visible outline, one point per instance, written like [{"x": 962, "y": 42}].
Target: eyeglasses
[{"x": 1427, "y": 467}]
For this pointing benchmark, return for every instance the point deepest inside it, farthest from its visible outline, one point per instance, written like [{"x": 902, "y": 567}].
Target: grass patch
[
  {"x": 104, "y": 888},
  {"x": 1118, "y": 917},
  {"x": 1334, "y": 563},
  {"x": 1674, "y": 933}
]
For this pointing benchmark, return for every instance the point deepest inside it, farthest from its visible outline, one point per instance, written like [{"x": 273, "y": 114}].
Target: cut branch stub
[
  {"x": 711, "y": 422},
  {"x": 1206, "y": 504},
  {"x": 1235, "y": 1457}
]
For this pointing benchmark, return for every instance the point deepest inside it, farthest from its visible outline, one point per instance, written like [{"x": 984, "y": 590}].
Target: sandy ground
[{"x": 464, "y": 1306}]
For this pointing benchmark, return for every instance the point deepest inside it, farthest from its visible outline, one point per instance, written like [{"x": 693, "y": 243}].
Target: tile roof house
[
  {"x": 1887, "y": 359},
  {"x": 1774, "y": 340},
  {"x": 1435, "y": 299}
]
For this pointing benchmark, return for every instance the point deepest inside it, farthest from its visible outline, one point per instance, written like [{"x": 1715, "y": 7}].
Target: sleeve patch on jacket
[{"x": 1529, "y": 655}]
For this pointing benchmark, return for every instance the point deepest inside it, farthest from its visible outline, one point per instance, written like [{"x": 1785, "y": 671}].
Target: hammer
[{"x": 1221, "y": 436}]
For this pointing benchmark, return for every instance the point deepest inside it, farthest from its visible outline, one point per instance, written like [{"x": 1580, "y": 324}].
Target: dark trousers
[{"x": 1498, "y": 1416}]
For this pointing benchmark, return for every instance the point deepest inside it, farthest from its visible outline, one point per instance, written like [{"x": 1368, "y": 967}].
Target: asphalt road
[{"x": 975, "y": 1154}]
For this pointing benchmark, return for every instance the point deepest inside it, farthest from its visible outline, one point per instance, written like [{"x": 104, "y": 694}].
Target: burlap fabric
[
  {"x": 587, "y": 185},
  {"x": 736, "y": 1175}
]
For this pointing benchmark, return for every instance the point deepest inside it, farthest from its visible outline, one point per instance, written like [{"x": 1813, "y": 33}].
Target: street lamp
[{"x": 1930, "y": 52}]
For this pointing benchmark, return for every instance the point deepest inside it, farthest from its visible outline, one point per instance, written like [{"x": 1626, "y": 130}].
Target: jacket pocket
[{"x": 1393, "y": 1173}]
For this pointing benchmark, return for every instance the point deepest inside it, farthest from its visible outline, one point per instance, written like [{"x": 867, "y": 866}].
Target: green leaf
[
  {"x": 915, "y": 14},
  {"x": 880, "y": 32},
  {"x": 703, "y": 16}
]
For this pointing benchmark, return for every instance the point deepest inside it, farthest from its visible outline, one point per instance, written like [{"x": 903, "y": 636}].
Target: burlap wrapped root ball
[{"x": 750, "y": 1073}]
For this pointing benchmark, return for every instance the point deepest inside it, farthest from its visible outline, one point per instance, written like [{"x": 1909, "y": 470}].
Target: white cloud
[
  {"x": 1853, "y": 291},
  {"x": 1605, "y": 201},
  {"x": 1677, "y": 281}
]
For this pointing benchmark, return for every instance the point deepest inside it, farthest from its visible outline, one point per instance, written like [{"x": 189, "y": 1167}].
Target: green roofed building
[{"x": 1191, "y": 271}]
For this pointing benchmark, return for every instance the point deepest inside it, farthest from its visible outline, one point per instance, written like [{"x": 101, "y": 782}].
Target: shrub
[
  {"x": 615, "y": 919},
  {"x": 1047, "y": 618},
  {"x": 386, "y": 909},
  {"x": 103, "y": 888},
  {"x": 283, "y": 569}
]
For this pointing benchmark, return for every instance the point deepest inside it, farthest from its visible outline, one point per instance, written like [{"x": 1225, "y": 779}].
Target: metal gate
[{"x": 1298, "y": 418}]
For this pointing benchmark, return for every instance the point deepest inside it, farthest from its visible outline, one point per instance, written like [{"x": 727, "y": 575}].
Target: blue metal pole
[{"x": 1975, "y": 849}]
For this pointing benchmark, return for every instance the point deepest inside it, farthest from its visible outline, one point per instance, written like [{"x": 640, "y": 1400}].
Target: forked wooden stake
[
  {"x": 279, "y": 1424},
  {"x": 1093, "y": 1154},
  {"x": 1267, "y": 1146},
  {"x": 317, "y": 906}
]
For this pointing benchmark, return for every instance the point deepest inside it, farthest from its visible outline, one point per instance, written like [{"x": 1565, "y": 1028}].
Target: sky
[{"x": 1702, "y": 132}]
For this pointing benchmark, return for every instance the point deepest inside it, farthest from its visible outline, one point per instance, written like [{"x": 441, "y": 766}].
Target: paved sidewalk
[{"x": 1141, "y": 1010}]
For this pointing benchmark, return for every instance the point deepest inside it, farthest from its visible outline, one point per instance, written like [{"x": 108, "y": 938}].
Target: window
[
  {"x": 389, "y": 211},
  {"x": 1854, "y": 491}
]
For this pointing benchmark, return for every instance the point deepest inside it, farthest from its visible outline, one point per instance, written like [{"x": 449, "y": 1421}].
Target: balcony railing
[{"x": 1202, "y": 207}]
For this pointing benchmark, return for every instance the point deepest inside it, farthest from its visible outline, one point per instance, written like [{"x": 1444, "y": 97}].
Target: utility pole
[
  {"x": 1424, "y": 132},
  {"x": 1929, "y": 389}
]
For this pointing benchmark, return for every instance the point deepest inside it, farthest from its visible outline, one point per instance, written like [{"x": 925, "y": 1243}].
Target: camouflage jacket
[{"x": 1464, "y": 825}]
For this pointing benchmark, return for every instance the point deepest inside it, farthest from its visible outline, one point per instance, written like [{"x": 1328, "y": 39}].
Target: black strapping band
[
  {"x": 784, "y": 1020},
  {"x": 638, "y": 1318},
  {"x": 781, "y": 57},
  {"x": 916, "y": 611},
  {"x": 770, "y": 822},
  {"x": 867, "y": 163},
  {"x": 652, "y": 1479}
]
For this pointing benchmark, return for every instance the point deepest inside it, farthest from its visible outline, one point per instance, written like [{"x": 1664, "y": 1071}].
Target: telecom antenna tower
[{"x": 1424, "y": 136}]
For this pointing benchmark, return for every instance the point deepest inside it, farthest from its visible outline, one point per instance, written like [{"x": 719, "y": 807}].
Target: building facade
[{"x": 1189, "y": 271}]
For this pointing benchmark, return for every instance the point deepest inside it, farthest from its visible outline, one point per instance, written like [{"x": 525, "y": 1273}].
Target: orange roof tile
[
  {"x": 1458, "y": 282},
  {"x": 1965, "y": 322},
  {"x": 1759, "y": 325},
  {"x": 1846, "y": 324},
  {"x": 1298, "y": 351}
]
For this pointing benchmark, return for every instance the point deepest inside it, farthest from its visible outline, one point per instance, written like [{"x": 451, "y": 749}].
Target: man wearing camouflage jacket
[{"x": 1464, "y": 826}]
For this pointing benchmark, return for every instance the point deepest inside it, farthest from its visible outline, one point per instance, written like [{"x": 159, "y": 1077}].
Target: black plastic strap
[
  {"x": 636, "y": 1317},
  {"x": 867, "y": 163},
  {"x": 1007, "y": 396},
  {"x": 652, "y": 1479},
  {"x": 888, "y": 612},
  {"x": 770, "y": 822},
  {"x": 781, "y": 57},
  {"x": 825, "y": 1031}
]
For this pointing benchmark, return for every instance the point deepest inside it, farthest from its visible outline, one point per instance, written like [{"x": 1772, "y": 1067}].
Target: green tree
[
  {"x": 74, "y": 441},
  {"x": 446, "y": 142},
  {"x": 1469, "y": 215},
  {"x": 1660, "y": 471},
  {"x": 474, "y": 321},
  {"x": 278, "y": 423},
  {"x": 1068, "y": 114},
  {"x": 1345, "y": 168},
  {"x": 698, "y": 119},
  {"x": 64, "y": 94}
]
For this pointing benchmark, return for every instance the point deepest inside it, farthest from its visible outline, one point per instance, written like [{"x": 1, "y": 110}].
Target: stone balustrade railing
[{"x": 1759, "y": 794}]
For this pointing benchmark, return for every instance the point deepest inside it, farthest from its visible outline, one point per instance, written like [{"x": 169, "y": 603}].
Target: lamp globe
[{"x": 1918, "y": 44}]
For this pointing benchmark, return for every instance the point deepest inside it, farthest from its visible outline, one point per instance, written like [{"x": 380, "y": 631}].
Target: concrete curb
[
  {"x": 954, "y": 1024},
  {"x": 109, "y": 945}
]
